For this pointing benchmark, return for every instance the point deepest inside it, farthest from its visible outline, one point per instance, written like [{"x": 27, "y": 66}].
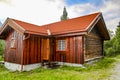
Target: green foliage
[
  {"x": 112, "y": 47},
  {"x": 1, "y": 58},
  {"x": 100, "y": 68},
  {"x": 64, "y": 16},
  {"x": 1, "y": 47},
  {"x": 117, "y": 40},
  {"x": 109, "y": 48}
]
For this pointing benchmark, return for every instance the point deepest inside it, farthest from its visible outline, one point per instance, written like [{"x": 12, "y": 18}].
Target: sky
[{"x": 42, "y": 12}]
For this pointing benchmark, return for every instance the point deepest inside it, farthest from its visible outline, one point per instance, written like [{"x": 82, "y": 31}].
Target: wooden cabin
[{"x": 70, "y": 42}]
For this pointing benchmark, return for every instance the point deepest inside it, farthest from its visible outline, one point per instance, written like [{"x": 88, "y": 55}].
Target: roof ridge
[
  {"x": 54, "y": 22},
  {"x": 71, "y": 19},
  {"x": 73, "y": 24}
]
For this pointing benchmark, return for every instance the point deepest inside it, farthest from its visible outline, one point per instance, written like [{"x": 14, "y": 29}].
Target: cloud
[
  {"x": 47, "y": 11},
  {"x": 109, "y": 8},
  {"x": 81, "y": 9},
  {"x": 34, "y": 11},
  {"x": 111, "y": 13},
  {"x": 6, "y": 1}
]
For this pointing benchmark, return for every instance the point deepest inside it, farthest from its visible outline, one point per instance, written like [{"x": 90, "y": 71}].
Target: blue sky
[
  {"x": 94, "y": 2},
  {"x": 42, "y": 12}
]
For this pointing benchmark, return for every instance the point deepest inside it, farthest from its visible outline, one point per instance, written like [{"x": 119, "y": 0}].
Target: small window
[
  {"x": 61, "y": 45},
  {"x": 12, "y": 45}
]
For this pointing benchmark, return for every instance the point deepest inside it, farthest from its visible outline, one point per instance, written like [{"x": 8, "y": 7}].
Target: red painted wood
[
  {"x": 39, "y": 50},
  {"x": 74, "y": 50},
  {"x": 79, "y": 49},
  {"x": 34, "y": 48}
]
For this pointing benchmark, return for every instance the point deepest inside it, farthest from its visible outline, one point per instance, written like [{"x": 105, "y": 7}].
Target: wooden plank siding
[
  {"x": 32, "y": 50},
  {"x": 74, "y": 52},
  {"x": 94, "y": 44},
  {"x": 13, "y": 55}
]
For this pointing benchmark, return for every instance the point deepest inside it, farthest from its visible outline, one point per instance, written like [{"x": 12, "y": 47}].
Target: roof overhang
[
  {"x": 10, "y": 24},
  {"x": 71, "y": 34},
  {"x": 13, "y": 25},
  {"x": 99, "y": 21}
]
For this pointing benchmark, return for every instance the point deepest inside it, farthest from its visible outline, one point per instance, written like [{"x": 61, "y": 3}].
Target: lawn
[{"x": 97, "y": 71}]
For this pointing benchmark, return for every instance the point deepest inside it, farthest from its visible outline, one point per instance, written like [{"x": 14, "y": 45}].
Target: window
[
  {"x": 61, "y": 45},
  {"x": 12, "y": 45}
]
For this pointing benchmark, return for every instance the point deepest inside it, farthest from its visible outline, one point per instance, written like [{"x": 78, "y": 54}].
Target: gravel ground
[{"x": 116, "y": 72}]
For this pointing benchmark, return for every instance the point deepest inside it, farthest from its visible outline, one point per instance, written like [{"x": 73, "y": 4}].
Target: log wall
[{"x": 93, "y": 44}]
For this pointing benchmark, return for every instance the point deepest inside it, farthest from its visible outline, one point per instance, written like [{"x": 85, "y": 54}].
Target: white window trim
[
  {"x": 12, "y": 45},
  {"x": 61, "y": 45}
]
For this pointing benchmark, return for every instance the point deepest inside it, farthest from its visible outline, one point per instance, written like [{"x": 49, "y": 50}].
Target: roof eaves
[
  {"x": 36, "y": 33},
  {"x": 13, "y": 25},
  {"x": 92, "y": 24},
  {"x": 16, "y": 26},
  {"x": 70, "y": 34},
  {"x": 107, "y": 33},
  {"x": 3, "y": 26},
  {"x": 67, "y": 32}
]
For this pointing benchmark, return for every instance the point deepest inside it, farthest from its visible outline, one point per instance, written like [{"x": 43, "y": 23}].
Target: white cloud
[
  {"x": 34, "y": 11},
  {"x": 110, "y": 10},
  {"x": 81, "y": 9},
  {"x": 47, "y": 11},
  {"x": 111, "y": 13}
]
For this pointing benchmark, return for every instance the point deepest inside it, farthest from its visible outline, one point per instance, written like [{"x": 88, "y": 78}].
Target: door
[{"x": 45, "y": 51}]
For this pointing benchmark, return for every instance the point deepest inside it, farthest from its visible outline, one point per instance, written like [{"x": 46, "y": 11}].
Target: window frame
[
  {"x": 61, "y": 45},
  {"x": 13, "y": 40}
]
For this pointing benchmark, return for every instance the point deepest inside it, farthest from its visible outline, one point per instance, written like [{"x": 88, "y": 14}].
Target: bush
[
  {"x": 1, "y": 58},
  {"x": 2, "y": 47},
  {"x": 110, "y": 52}
]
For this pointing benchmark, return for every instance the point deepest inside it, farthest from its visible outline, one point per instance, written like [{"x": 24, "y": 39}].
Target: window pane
[{"x": 61, "y": 45}]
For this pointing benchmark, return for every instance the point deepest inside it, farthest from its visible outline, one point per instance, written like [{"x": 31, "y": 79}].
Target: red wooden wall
[
  {"x": 74, "y": 53},
  {"x": 32, "y": 50}
]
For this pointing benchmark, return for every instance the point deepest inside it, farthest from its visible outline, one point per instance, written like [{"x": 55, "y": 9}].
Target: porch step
[{"x": 50, "y": 65}]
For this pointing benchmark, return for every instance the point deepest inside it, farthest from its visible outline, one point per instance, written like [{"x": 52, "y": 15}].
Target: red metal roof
[
  {"x": 79, "y": 24},
  {"x": 30, "y": 28}
]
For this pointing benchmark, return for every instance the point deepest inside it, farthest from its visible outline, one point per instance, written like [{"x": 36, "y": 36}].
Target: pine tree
[
  {"x": 65, "y": 14},
  {"x": 116, "y": 44},
  {"x": 112, "y": 47}
]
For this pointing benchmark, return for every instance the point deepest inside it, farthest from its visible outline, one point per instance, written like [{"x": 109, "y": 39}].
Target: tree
[
  {"x": 65, "y": 14},
  {"x": 112, "y": 47},
  {"x": 108, "y": 45},
  {"x": 1, "y": 47},
  {"x": 117, "y": 40}
]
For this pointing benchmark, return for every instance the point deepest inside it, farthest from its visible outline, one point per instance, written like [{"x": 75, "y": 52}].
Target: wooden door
[{"x": 45, "y": 51}]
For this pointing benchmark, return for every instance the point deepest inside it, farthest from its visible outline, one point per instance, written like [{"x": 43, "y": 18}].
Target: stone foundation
[{"x": 18, "y": 67}]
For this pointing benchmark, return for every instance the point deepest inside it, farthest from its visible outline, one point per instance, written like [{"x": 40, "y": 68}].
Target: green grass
[{"x": 98, "y": 71}]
